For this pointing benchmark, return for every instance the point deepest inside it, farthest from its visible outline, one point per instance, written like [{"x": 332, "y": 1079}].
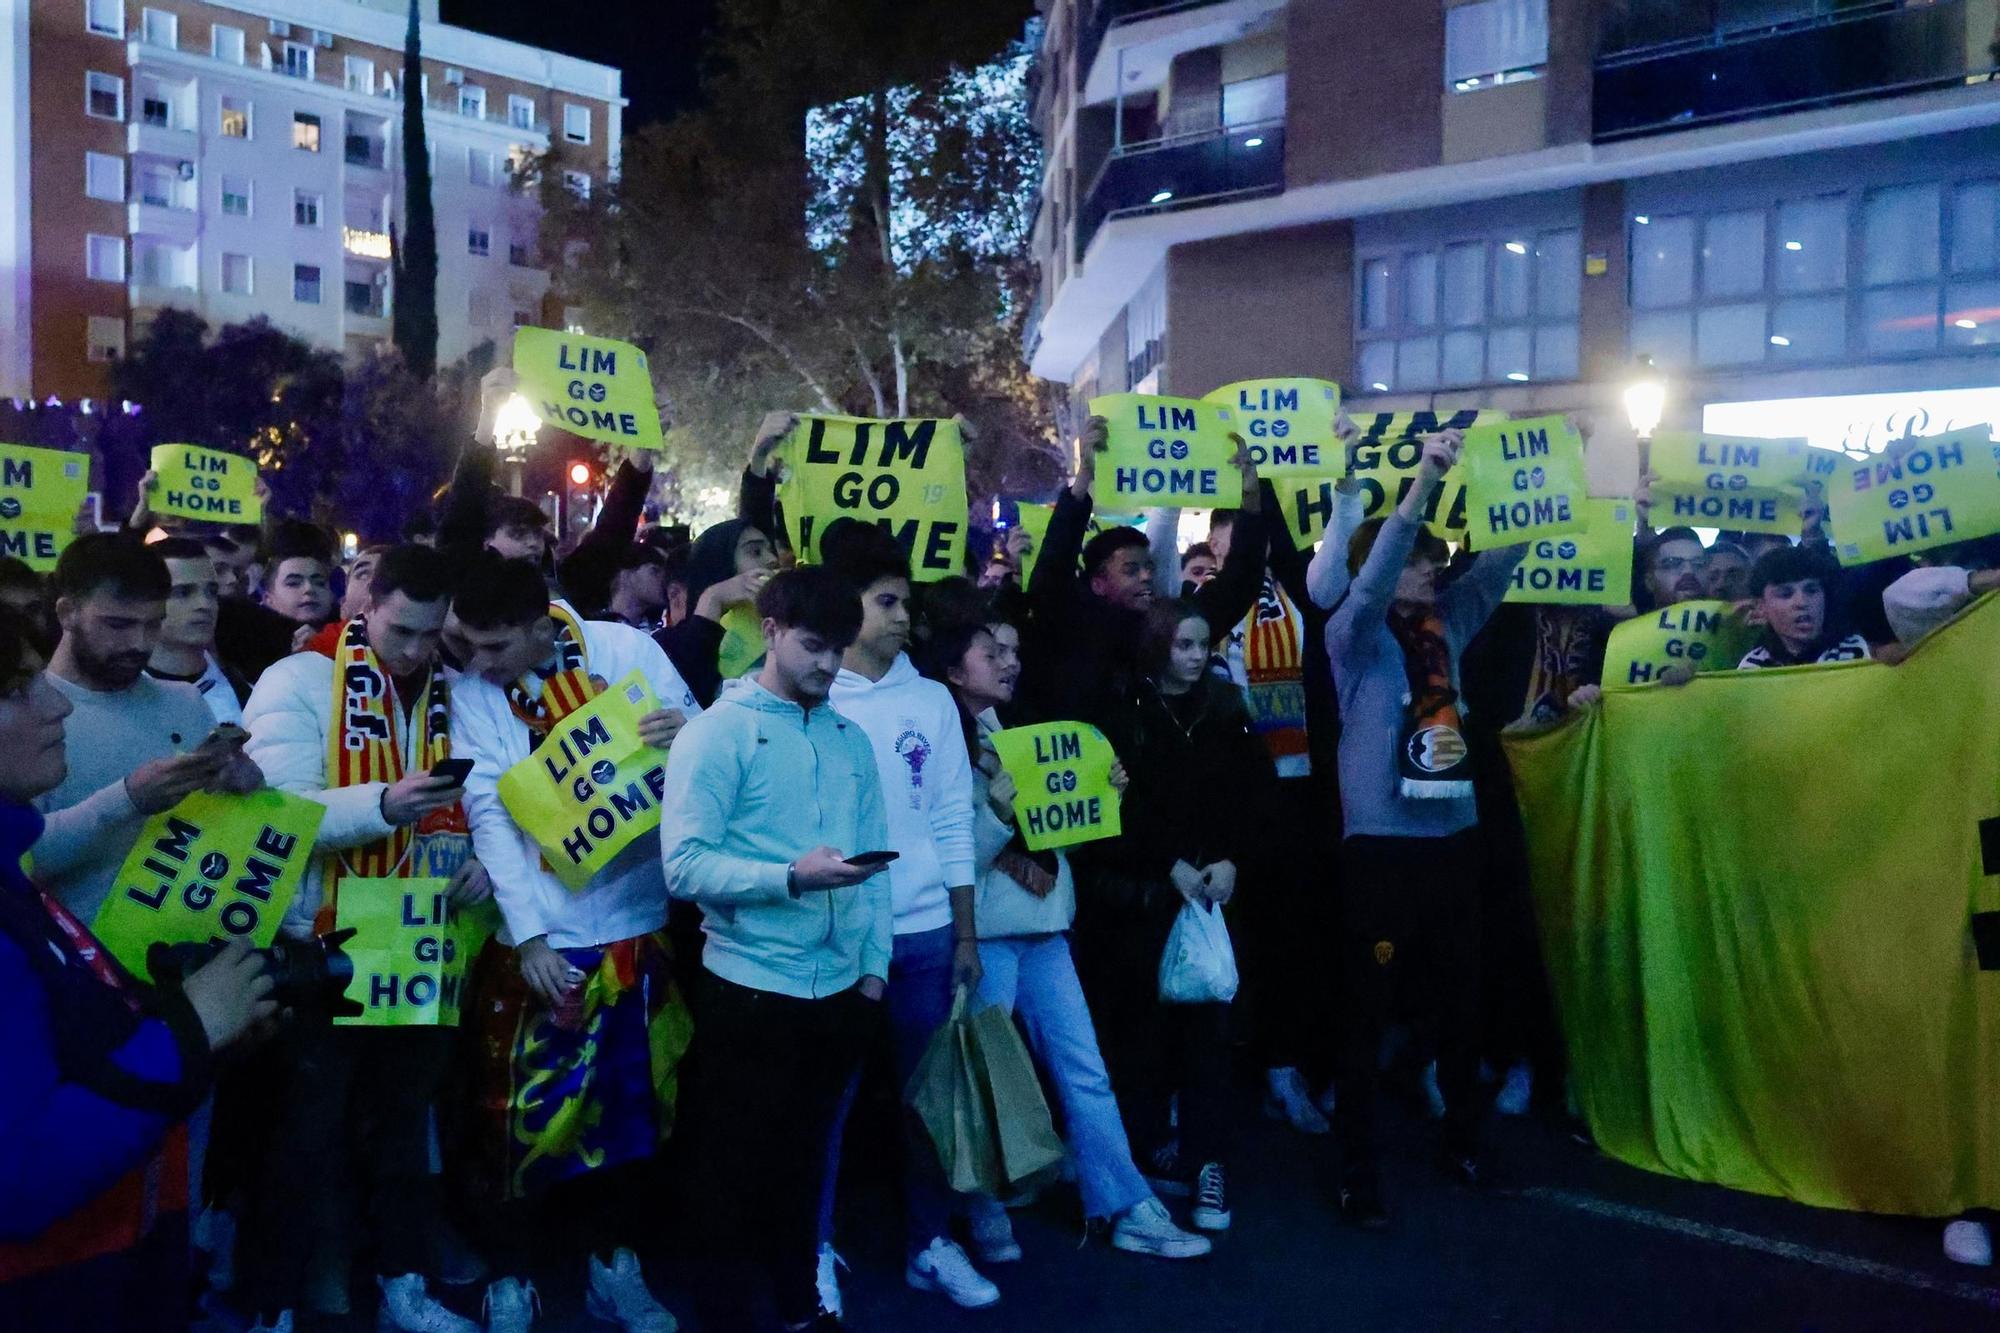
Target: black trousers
[
  {"x": 1286, "y": 913},
  {"x": 352, "y": 1102},
  {"x": 1409, "y": 930},
  {"x": 771, "y": 1071}
]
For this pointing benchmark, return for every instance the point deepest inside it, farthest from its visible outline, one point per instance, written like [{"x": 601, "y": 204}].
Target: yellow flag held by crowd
[
  {"x": 1918, "y": 495},
  {"x": 1167, "y": 452},
  {"x": 1062, "y": 783},
  {"x": 41, "y": 491},
  {"x": 193, "y": 482},
  {"x": 1588, "y": 568},
  {"x": 214, "y": 867},
  {"x": 411, "y": 950},
  {"x": 593, "y": 787},
  {"x": 1766, "y": 905},
  {"x": 599, "y": 388},
  {"x": 1523, "y": 480},
  {"x": 1698, "y": 635},
  {"x": 906, "y": 476}
]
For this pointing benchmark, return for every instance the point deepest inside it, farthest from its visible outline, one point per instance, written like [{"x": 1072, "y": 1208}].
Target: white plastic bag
[{"x": 1199, "y": 966}]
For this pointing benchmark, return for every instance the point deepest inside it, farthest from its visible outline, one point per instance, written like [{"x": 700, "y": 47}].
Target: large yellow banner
[
  {"x": 907, "y": 476},
  {"x": 1385, "y": 467}
]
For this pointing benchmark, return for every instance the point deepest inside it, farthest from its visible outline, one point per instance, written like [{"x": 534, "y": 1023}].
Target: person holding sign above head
[
  {"x": 186, "y": 650},
  {"x": 1790, "y": 585},
  {"x": 1025, "y": 904},
  {"x": 1411, "y": 854},
  {"x": 581, "y": 1021},
  {"x": 100, "y": 1070},
  {"x": 926, "y": 780},
  {"x": 356, "y": 722},
  {"x": 768, "y": 794}
]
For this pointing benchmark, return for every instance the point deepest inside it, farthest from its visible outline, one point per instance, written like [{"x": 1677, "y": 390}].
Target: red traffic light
[{"x": 579, "y": 474}]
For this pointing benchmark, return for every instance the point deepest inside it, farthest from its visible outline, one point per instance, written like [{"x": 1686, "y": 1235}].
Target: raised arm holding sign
[
  {"x": 1523, "y": 480},
  {"x": 907, "y": 476},
  {"x": 1168, "y": 451}
]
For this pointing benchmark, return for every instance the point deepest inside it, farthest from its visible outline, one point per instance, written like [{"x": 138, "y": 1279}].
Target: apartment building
[
  {"x": 245, "y": 159},
  {"x": 1784, "y": 204}
]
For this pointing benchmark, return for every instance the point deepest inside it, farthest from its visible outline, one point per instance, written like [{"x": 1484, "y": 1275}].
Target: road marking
[{"x": 1974, "y": 1292}]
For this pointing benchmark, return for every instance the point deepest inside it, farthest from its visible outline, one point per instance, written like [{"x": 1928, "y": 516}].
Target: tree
[{"x": 415, "y": 254}]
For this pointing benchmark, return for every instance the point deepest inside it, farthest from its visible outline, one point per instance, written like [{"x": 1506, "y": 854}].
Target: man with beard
[
  {"x": 135, "y": 743},
  {"x": 1676, "y": 568},
  {"x": 186, "y": 650}
]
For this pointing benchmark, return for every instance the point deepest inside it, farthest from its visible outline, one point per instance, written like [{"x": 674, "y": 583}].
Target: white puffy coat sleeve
[{"x": 289, "y": 715}]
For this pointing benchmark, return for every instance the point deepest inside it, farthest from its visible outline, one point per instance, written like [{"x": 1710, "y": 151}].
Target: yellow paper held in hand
[
  {"x": 411, "y": 951},
  {"x": 1927, "y": 493},
  {"x": 205, "y": 484},
  {"x": 1385, "y": 467},
  {"x": 40, "y": 493},
  {"x": 1288, "y": 425},
  {"x": 212, "y": 868},
  {"x": 1523, "y": 480},
  {"x": 1588, "y": 568},
  {"x": 1728, "y": 481},
  {"x": 906, "y": 476},
  {"x": 593, "y": 787},
  {"x": 1170, "y": 452},
  {"x": 1062, "y": 783},
  {"x": 1701, "y": 635},
  {"x": 599, "y": 388}
]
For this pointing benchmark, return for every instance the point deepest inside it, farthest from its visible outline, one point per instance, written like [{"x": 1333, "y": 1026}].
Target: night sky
[{"x": 656, "y": 42}]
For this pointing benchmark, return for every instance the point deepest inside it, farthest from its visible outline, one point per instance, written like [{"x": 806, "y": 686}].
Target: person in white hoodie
[
  {"x": 582, "y": 1023},
  {"x": 912, "y": 724}
]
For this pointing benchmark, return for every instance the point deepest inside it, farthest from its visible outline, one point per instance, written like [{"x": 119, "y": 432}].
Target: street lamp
[
  {"x": 1646, "y": 399},
  {"x": 515, "y": 427}
]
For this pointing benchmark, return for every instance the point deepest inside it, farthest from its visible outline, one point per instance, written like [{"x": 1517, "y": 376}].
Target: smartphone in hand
[
  {"x": 458, "y": 770},
  {"x": 873, "y": 860}
]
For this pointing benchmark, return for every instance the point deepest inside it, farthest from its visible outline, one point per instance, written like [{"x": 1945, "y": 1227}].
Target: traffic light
[{"x": 579, "y": 474}]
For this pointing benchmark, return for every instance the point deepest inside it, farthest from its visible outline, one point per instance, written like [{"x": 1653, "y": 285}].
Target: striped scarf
[
  {"x": 542, "y": 701},
  {"x": 1432, "y": 760},
  {"x": 1275, "y": 679}
]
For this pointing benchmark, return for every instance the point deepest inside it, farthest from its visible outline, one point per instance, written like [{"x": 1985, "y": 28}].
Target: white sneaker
[
  {"x": 944, "y": 1267},
  {"x": 1966, "y": 1242},
  {"x": 408, "y": 1308},
  {"x": 828, "y": 1280},
  {"x": 1211, "y": 1199},
  {"x": 993, "y": 1238},
  {"x": 282, "y": 1324},
  {"x": 1286, "y": 1098},
  {"x": 1516, "y": 1093},
  {"x": 618, "y": 1295},
  {"x": 1146, "y": 1228},
  {"x": 511, "y": 1306}
]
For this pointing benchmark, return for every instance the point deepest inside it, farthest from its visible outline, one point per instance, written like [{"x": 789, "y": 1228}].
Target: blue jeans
[
  {"x": 1032, "y": 977},
  {"x": 919, "y": 1001}
]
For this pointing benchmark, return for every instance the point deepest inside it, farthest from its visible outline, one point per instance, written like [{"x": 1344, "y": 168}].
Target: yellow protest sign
[
  {"x": 212, "y": 868},
  {"x": 40, "y": 492},
  {"x": 1287, "y": 424},
  {"x": 411, "y": 951},
  {"x": 193, "y": 482},
  {"x": 1523, "y": 480},
  {"x": 1588, "y": 568},
  {"x": 593, "y": 788},
  {"x": 598, "y": 388},
  {"x": 1062, "y": 783},
  {"x": 1775, "y": 511},
  {"x": 1167, "y": 451},
  {"x": 1385, "y": 467},
  {"x": 907, "y": 476},
  {"x": 1704, "y": 635},
  {"x": 1923, "y": 493},
  {"x": 1728, "y": 481}
]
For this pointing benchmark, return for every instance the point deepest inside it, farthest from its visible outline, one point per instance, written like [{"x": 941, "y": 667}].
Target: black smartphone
[
  {"x": 458, "y": 770},
  {"x": 871, "y": 858},
  {"x": 227, "y": 736}
]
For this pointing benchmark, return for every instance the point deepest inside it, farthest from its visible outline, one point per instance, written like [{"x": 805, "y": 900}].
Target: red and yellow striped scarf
[
  {"x": 542, "y": 702},
  {"x": 1275, "y": 674}
]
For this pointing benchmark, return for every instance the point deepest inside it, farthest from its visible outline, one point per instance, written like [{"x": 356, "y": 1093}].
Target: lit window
[
  {"x": 104, "y": 96},
  {"x": 576, "y": 123},
  {"x": 104, "y": 177},
  {"x": 104, "y": 258},
  {"x": 1494, "y": 41},
  {"x": 305, "y": 284},
  {"x": 305, "y": 131},
  {"x": 236, "y": 117}
]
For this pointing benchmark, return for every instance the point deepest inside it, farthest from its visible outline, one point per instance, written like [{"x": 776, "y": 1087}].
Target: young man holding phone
[
  {"x": 356, "y": 722},
  {"x": 768, "y": 793}
]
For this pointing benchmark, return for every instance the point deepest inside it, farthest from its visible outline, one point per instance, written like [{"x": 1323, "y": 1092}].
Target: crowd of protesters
[{"x": 719, "y": 991}]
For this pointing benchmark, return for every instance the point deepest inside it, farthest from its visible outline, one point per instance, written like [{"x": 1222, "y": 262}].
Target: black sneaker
[
  {"x": 1361, "y": 1202},
  {"x": 1167, "y": 1174},
  {"x": 1211, "y": 1199}
]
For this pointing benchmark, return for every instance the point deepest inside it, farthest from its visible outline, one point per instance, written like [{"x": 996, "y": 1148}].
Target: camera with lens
[{"x": 309, "y": 977}]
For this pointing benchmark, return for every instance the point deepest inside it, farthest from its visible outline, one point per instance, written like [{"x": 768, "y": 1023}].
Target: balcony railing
[
  {"x": 1183, "y": 172},
  {"x": 1698, "y": 62},
  {"x": 1101, "y": 15}
]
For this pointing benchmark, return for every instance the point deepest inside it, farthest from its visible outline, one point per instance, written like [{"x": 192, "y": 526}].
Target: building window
[
  {"x": 305, "y": 131},
  {"x": 523, "y": 317},
  {"x": 520, "y": 111},
  {"x": 306, "y": 208},
  {"x": 104, "y": 338},
  {"x": 155, "y": 110},
  {"x": 472, "y": 102},
  {"x": 305, "y": 284},
  {"x": 482, "y": 165},
  {"x": 106, "y": 18},
  {"x": 1494, "y": 41},
  {"x": 360, "y": 295},
  {"x": 104, "y": 96},
  {"x": 1146, "y": 328},
  {"x": 104, "y": 177},
  {"x": 156, "y": 182},
  {"x": 158, "y": 27},
  {"x": 577, "y": 183},
  {"x": 237, "y": 275},
  {"x": 1486, "y": 311},
  {"x": 479, "y": 241},
  {"x": 298, "y": 60},
  {"x": 1900, "y": 263},
  {"x": 359, "y": 75},
  {"x": 236, "y": 196},
  {"x": 104, "y": 258},
  {"x": 520, "y": 253},
  {"x": 226, "y": 43},
  {"x": 1255, "y": 101},
  {"x": 235, "y": 117},
  {"x": 576, "y": 123}
]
